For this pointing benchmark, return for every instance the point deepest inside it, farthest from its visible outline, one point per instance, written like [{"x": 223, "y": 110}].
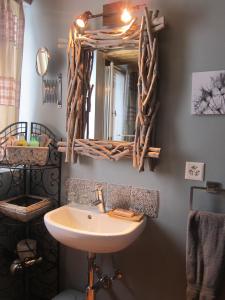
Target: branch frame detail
[{"x": 80, "y": 50}]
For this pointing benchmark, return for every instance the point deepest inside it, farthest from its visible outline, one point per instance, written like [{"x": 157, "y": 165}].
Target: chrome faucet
[{"x": 99, "y": 200}]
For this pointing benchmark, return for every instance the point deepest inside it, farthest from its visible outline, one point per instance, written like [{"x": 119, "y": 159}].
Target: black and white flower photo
[{"x": 208, "y": 93}]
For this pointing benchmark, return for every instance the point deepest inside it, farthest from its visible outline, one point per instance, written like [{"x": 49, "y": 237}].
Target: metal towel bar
[{"x": 211, "y": 187}]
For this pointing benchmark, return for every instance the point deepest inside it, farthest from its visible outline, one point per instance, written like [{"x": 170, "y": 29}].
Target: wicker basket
[
  {"x": 24, "y": 208},
  {"x": 17, "y": 155}
]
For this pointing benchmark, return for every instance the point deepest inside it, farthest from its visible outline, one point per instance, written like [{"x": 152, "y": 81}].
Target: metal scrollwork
[{"x": 36, "y": 180}]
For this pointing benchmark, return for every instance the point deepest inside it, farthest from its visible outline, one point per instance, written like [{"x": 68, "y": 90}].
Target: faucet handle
[
  {"x": 98, "y": 187},
  {"x": 98, "y": 192},
  {"x": 96, "y": 202}
]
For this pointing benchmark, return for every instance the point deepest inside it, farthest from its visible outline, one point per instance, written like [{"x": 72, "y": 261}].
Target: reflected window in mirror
[
  {"x": 115, "y": 73},
  {"x": 120, "y": 102}
]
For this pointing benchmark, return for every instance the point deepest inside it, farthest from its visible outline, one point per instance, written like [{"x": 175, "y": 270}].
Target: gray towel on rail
[{"x": 205, "y": 255}]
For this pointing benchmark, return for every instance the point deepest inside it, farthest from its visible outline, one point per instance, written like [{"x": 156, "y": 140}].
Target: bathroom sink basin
[{"x": 91, "y": 231}]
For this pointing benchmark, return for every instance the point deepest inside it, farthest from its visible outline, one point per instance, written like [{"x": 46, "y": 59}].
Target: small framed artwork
[{"x": 208, "y": 93}]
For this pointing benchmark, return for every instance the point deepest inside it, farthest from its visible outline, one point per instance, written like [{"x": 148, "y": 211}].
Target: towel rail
[{"x": 211, "y": 187}]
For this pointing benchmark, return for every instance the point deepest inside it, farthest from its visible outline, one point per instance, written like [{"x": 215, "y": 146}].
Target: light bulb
[
  {"x": 126, "y": 16},
  {"x": 80, "y": 22}
]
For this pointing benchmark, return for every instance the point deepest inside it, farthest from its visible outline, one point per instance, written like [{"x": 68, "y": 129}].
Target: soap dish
[
  {"x": 135, "y": 217},
  {"x": 24, "y": 207}
]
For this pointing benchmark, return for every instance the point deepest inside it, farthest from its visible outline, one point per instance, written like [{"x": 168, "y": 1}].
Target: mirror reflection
[
  {"x": 42, "y": 60},
  {"x": 115, "y": 77}
]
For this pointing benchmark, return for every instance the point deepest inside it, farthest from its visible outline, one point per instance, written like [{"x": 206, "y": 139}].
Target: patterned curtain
[{"x": 11, "y": 52}]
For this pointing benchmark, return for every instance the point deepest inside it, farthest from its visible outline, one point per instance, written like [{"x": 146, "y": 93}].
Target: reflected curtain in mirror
[{"x": 11, "y": 50}]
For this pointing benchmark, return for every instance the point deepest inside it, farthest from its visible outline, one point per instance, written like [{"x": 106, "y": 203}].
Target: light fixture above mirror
[
  {"x": 114, "y": 14},
  {"x": 82, "y": 20}
]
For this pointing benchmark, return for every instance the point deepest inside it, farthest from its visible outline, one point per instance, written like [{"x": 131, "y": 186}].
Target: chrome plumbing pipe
[{"x": 103, "y": 281}]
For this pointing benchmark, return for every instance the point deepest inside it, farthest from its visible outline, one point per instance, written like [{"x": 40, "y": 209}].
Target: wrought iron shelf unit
[{"x": 41, "y": 281}]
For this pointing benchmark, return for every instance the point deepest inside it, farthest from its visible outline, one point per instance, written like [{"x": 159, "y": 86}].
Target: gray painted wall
[{"x": 154, "y": 266}]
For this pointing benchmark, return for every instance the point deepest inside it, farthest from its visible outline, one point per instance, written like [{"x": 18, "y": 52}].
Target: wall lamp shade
[{"x": 82, "y": 20}]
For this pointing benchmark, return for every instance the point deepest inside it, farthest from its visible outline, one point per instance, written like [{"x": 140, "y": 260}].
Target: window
[{"x": 11, "y": 50}]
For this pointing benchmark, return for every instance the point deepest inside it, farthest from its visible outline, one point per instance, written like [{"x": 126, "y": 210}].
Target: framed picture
[{"x": 208, "y": 93}]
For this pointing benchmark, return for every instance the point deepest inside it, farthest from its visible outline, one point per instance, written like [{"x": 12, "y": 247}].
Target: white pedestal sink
[{"x": 91, "y": 231}]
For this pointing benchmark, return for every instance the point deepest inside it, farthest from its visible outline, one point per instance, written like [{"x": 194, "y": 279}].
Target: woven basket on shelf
[
  {"x": 17, "y": 155},
  {"x": 17, "y": 210}
]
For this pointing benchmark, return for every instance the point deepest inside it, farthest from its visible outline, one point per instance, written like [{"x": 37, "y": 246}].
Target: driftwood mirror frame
[{"x": 80, "y": 60}]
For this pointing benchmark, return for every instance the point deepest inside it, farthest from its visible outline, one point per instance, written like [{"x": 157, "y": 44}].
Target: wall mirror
[
  {"x": 118, "y": 67},
  {"x": 42, "y": 60},
  {"x": 51, "y": 88}
]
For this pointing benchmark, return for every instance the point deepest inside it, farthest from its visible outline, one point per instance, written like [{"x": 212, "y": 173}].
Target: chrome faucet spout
[{"x": 99, "y": 201}]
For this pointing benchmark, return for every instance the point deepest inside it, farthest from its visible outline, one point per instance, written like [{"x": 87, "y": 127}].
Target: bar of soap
[{"x": 123, "y": 212}]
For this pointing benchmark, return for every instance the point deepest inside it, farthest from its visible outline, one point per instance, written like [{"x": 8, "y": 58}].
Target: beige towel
[{"x": 205, "y": 256}]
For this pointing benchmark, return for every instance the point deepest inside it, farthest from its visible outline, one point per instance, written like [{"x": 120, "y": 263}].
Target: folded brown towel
[{"x": 205, "y": 255}]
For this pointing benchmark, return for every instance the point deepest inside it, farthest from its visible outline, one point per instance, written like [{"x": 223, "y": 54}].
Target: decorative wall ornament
[
  {"x": 208, "y": 93},
  {"x": 143, "y": 36}
]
